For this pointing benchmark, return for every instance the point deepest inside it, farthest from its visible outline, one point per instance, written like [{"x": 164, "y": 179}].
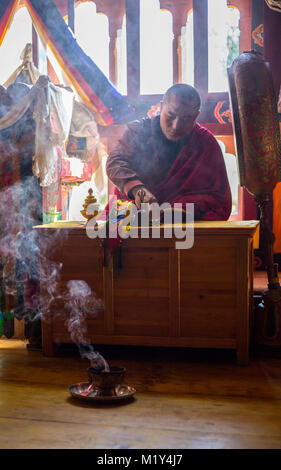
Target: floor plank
[{"x": 183, "y": 401}]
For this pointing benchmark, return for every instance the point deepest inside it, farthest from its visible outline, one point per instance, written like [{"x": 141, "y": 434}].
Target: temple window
[
  {"x": 91, "y": 32},
  {"x": 223, "y": 42},
  {"x": 156, "y": 54}
]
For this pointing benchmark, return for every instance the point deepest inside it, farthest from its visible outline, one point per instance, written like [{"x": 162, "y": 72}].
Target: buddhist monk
[{"x": 173, "y": 159}]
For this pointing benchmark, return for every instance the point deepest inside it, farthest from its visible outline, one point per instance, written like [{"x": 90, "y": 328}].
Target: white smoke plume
[
  {"x": 20, "y": 211},
  {"x": 82, "y": 304}
]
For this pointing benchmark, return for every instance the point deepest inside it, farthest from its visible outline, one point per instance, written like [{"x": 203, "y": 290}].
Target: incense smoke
[
  {"x": 82, "y": 304},
  {"x": 21, "y": 209}
]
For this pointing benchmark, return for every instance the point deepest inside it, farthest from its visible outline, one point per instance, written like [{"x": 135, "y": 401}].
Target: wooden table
[{"x": 199, "y": 297}]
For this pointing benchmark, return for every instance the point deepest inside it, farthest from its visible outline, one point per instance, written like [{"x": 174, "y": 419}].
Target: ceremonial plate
[{"x": 85, "y": 391}]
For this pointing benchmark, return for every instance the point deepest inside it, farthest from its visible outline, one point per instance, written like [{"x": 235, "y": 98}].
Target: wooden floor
[{"x": 185, "y": 399}]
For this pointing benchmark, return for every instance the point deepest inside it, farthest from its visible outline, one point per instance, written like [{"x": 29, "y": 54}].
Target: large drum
[
  {"x": 257, "y": 139},
  {"x": 255, "y": 119}
]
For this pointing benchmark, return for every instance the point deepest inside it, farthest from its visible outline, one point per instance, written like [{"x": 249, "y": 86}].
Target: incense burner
[
  {"x": 105, "y": 382},
  {"x": 104, "y": 386}
]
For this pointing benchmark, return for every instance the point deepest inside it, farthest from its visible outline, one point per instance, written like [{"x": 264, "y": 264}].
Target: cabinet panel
[
  {"x": 141, "y": 292},
  {"x": 198, "y": 297}
]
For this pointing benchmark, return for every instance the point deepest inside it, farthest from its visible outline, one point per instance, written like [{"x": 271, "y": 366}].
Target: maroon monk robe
[{"x": 196, "y": 175}]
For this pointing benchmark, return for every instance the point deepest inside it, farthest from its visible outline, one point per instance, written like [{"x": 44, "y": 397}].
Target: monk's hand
[{"x": 142, "y": 195}]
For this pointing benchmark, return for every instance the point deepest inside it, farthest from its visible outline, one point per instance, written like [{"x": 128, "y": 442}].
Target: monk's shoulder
[
  {"x": 140, "y": 126},
  {"x": 203, "y": 136},
  {"x": 137, "y": 132}
]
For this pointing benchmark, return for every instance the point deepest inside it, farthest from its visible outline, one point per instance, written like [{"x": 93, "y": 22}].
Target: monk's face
[{"x": 177, "y": 117}]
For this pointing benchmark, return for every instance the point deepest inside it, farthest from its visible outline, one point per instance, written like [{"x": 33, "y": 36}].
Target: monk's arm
[{"x": 120, "y": 164}]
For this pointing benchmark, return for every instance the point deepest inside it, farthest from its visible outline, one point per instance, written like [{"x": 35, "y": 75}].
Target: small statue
[{"x": 90, "y": 199}]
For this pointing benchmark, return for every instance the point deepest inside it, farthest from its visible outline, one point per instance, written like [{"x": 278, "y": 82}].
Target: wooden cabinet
[{"x": 199, "y": 297}]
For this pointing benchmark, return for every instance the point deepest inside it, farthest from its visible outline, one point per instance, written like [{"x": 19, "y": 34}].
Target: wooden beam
[{"x": 257, "y": 22}]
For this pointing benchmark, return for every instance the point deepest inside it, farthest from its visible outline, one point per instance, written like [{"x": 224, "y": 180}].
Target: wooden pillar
[
  {"x": 177, "y": 56},
  {"x": 113, "y": 29},
  {"x": 112, "y": 54},
  {"x": 34, "y": 46},
  {"x": 272, "y": 55},
  {"x": 200, "y": 25},
  {"x": 272, "y": 44},
  {"x": 133, "y": 47},
  {"x": 257, "y": 22}
]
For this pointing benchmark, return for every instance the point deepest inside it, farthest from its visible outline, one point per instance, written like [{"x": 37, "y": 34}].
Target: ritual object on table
[
  {"x": 257, "y": 140},
  {"x": 90, "y": 199}
]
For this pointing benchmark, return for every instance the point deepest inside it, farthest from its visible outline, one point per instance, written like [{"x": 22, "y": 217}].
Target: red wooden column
[{"x": 133, "y": 48}]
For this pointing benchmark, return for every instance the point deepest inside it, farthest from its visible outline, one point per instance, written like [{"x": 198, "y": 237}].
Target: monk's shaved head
[
  {"x": 179, "y": 111},
  {"x": 184, "y": 92}
]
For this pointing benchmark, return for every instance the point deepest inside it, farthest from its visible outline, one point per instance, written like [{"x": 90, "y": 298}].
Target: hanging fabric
[
  {"x": 52, "y": 105},
  {"x": 93, "y": 87}
]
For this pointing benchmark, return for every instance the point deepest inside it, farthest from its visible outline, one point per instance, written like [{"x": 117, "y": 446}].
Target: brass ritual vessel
[
  {"x": 106, "y": 382},
  {"x": 104, "y": 386},
  {"x": 90, "y": 199}
]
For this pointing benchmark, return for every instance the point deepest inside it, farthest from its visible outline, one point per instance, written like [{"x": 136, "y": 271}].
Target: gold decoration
[
  {"x": 90, "y": 199},
  {"x": 257, "y": 35},
  {"x": 274, "y": 4}
]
